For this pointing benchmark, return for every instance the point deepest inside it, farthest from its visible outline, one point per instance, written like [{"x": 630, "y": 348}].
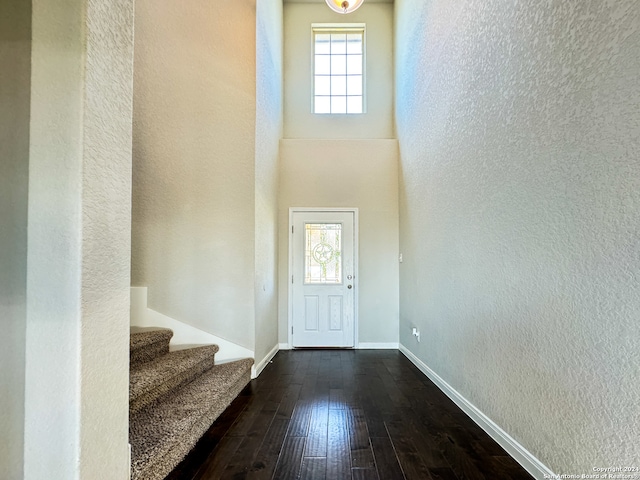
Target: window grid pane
[
  {"x": 323, "y": 85},
  {"x": 354, "y": 104},
  {"x": 323, "y": 104},
  {"x": 338, "y": 73},
  {"x": 354, "y": 85},
  {"x": 338, "y": 43}
]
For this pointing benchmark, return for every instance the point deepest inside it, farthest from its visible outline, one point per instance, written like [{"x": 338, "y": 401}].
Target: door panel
[
  {"x": 311, "y": 313},
  {"x": 323, "y": 307}
]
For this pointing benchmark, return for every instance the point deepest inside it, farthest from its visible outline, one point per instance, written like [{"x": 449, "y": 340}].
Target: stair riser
[
  {"x": 157, "y": 448},
  {"x": 148, "y": 353},
  {"x": 158, "y": 393}
]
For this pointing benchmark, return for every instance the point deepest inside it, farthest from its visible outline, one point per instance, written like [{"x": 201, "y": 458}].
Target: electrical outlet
[{"x": 416, "y": 333}]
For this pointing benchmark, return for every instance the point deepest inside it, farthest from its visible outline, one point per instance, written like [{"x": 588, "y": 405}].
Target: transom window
[{"x": 338, "y": 74}]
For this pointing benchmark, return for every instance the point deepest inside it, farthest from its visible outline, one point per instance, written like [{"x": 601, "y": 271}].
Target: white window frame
[{"x": 339, "y": 28}]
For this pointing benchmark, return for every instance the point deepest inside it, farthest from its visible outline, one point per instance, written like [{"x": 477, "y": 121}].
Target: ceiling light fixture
[{"x": 344, "y": 6}]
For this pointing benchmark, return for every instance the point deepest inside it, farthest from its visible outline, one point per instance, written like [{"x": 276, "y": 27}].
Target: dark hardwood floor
[{"x": 345, "y": 414}]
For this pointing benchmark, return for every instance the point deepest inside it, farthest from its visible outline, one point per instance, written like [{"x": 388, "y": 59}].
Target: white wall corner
[
  {"x": 257, "y": 368},
  {"x": 284, "y": 346},
  {"x": 520, "y": 454},
  {"x": 138, "y": 308}
]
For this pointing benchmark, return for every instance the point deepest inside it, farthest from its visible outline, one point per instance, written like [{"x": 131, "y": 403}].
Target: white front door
[{"x": 323, "y": 279}]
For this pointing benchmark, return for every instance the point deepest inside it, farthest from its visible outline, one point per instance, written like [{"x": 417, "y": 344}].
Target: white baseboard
[
  {"x": 377, "y": 346},
  {"x": 361, "y": 346},
  {"x": 256, "y": 369},
  {"x": 520, "y": 454}
]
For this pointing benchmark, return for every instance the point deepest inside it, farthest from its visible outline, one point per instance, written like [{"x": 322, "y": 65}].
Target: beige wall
[
  {"x": 268, "y": 133},
  {"x": 79, "y": 233},
  {"x": 15, "y": 56},
  {"x": 194, "y": 163},
  {"x": 349, "y": 173},
  {"x": 318, "y": 170},
  {"x": 518, "y": 126},
  {"x": 299, "y": 122}
]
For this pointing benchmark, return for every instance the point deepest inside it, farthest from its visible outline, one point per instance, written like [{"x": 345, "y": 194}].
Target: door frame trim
[{"x": 354, "y": 211}]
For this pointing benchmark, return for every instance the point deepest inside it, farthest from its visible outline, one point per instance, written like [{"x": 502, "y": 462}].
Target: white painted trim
[
  {"x": 256, "y": 369},
  {"x": 378, "y": 346},
  {"x": 285, "y": 346},
  {"x": 356, "y": 255},
  {"x": 520, "y": 454}
]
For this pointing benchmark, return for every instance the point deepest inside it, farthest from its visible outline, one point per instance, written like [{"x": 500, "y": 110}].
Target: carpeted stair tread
[
  {"x": 162, "y": 433},
  {"x": 145, "y": 344},
  {"x": 151, "y": 380}
]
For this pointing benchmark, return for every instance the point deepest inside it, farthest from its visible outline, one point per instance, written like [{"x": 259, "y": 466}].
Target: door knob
[
  {"x": 349, "y": 277},
  {"x": 349, "y": 287}
]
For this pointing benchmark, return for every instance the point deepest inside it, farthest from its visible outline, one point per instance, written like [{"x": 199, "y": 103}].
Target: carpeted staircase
[{"x": 174, "y": 397}]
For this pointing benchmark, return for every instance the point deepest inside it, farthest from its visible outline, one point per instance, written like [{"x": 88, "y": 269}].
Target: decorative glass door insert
[{"x": 323, "y": 253}]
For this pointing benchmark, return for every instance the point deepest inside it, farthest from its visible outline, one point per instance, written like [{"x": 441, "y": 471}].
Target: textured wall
[
  {"x": 15, "y": 57},
  {"x": 106, "y": 238},
  {"x": 194, "y": 163},
  {"x": 299, "y": 122},
  {"x": 268, "y": 133},
  {"x": 519, "y": 128},
  {"x": 349, "y": 173},
  {"x": 79, "y": 233}
]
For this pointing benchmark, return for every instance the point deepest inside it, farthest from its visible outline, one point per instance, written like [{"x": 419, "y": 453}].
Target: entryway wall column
[{"x": 79, "y": 231}]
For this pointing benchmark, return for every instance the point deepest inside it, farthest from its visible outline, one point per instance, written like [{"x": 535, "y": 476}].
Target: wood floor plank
[
  {"x": 444, "y": 473},
  {"x": 314, "y": 468},
  {"x": 361, "y": 454},
  {"x": 316, "y": 445},
  {"x": 288, "y": 401},
  {"x": 299, "y": 426},
  {"x": 409, "y": 457},
  {"x": 265, "y": 460},
  {"x": 386, "y": 460},
  {"x": 308, "y": 389},
  {"x": 365, "y": 474},
  {"x": 335, "y": 365},
  {"x": 337, "y": 398},
  {"x": 427, "y": 442},
  {"x": 338, "y": 448},
  {"x": 459, "y": 458},
  {"x": 345, "y": 414},
  {"x": 290, "y": 460},
  {"x": 244, "y": 456},
  {"x": 508, "y": 468},
  {"x": 215, "y": 466},
  {"x": 252, "y": 409},
  {"x": 363, "y": 397}
]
